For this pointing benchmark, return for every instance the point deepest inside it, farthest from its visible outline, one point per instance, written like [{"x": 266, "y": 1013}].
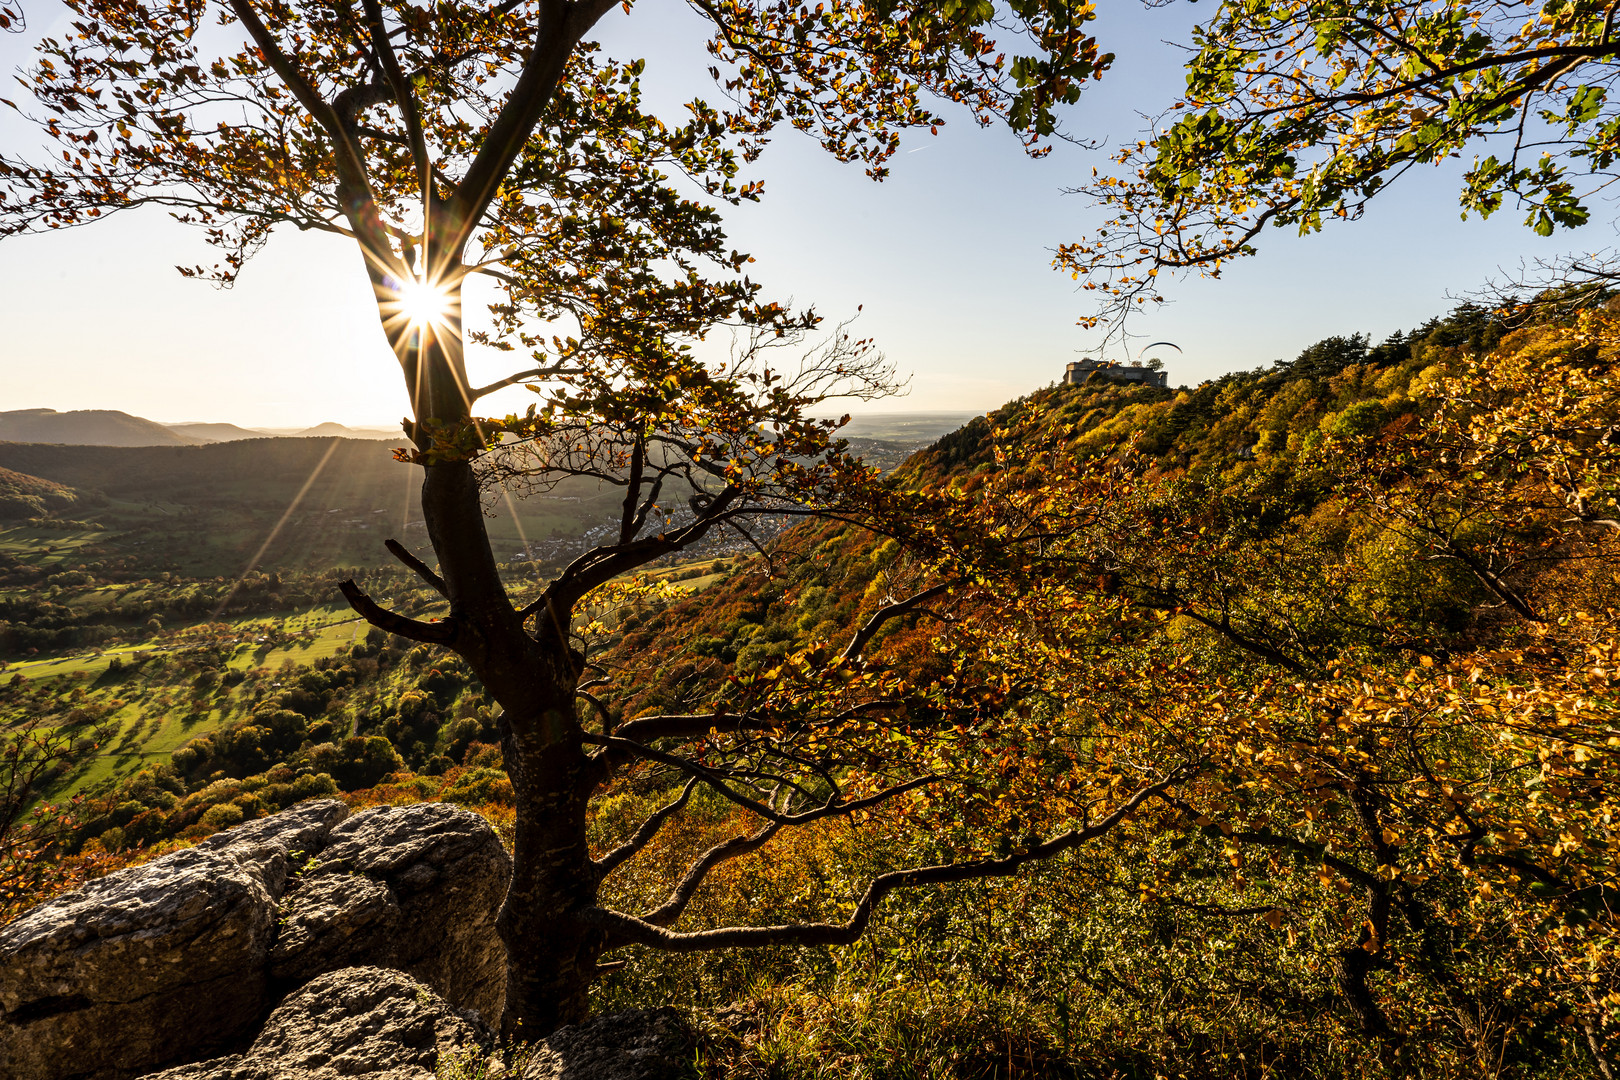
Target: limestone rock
[
  {"x": 643, "y": 1044},
  {"x": 273, "y": 843},
  {"x": 333, "y": 921},
  {"x": 183, "y": 956},
  {"x": 447, "y": 873},
  {"x": 367, "y": 1023},
  {"x": 152, "y": 963},
  {"x": 374, "y": 1023}
]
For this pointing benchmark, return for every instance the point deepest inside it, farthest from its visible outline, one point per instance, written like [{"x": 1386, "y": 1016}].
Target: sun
[{"x": 423, "y": 303}]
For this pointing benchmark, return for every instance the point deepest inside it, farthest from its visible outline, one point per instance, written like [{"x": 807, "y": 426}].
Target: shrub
[
  {"x": 218, "y": 817},
  {"x": 479, "y": 786}
]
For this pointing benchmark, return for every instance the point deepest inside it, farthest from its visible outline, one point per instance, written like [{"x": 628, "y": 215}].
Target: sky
[{"x": 948, "y": 263}]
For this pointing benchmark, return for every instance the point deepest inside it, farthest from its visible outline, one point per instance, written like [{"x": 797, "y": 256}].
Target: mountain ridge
[
  {"x": 114, "y": 427},
  {"x": 88, "y": 427}
]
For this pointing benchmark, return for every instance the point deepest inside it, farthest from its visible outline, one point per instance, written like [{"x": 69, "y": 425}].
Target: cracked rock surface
[
  {"x": 334, "y": 920},
  {"x": 369, "y": 1023},
  {"x": 150, "y": 961},
  {"x": 642, "y": 1044},
  {"x": 183, "y": 956},
  {"x": 447, "y": 872},
  {"x": 380, "y": 1024}
]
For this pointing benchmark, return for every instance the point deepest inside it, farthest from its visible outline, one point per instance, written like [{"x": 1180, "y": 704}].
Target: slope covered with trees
[
  {"x": 24, "y": 496},
  {"x": 1351, "y": 613},
  {"x": 1359, "y": 605}
]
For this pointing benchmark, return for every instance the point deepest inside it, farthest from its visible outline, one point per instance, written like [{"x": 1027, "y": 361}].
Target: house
[{"x": 1079, "y": 371}]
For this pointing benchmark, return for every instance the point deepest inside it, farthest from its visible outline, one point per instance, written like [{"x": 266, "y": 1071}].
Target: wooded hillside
[{"x": 1348, "y": 619}]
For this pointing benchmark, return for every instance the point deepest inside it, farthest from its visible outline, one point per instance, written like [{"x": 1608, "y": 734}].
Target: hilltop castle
[{"x": 1079, "y": 370}]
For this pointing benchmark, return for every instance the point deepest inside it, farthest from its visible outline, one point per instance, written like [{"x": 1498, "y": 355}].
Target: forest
[{"x": 1352, "y": 612}]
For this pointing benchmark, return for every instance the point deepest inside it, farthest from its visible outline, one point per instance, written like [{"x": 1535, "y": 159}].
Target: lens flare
[{"x": 422, "y": 303}]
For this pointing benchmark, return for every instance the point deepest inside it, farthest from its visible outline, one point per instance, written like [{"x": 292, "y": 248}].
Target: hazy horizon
[{"x": 859, "y": 418}]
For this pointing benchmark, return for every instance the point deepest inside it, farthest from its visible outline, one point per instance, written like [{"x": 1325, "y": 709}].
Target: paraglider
[{"x": 1156, "y": 364}]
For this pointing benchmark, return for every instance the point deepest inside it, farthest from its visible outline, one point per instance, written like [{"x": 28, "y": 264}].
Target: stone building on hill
[{"x": 1079, "y": 371}]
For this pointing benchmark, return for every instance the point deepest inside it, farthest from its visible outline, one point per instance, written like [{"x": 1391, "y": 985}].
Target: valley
[{"x": 1212, "y": 562}]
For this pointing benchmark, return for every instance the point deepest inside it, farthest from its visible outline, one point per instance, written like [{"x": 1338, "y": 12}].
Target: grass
[
  {"x": 159, "y": 719},
  {"x": 45, "y": 547},
  {"x": 129, "y": 749},
  {"x": 319, "y": 639},
  {"x": 324, "y": 631}
]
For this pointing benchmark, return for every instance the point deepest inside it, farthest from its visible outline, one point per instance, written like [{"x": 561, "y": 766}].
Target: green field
[{"x": 42, "y": 548}]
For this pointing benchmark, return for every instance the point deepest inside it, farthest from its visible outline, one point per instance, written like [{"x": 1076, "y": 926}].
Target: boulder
[
  {"x": 181, "y": 957},
  {"x": 366, "y": 1023},
  {"x": 151, "y": 963},
  {"x": 642, "y": 1044},
  {"x": 443, "y": 874},
  {"x": 336, "y": 920},
  {"x": 374, "y": 1023},
  {"x": 273, "y": 845}
]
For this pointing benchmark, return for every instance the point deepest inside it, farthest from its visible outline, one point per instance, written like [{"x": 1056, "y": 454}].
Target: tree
[
  {"x": 495, "y": 139},
  {"x": 1513, "y": 472},
  {"x": 33, "y": 753},
  {"x": 1299, "y": 112},
  {"x": 1414, "y": 822}
]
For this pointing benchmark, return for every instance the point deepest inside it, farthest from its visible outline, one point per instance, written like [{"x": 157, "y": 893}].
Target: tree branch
[
  {"x": 402, "y": 97},
  {"x": 690, "y": 725},
  {"x": 632, "y": 488},
  {"x": 643, "y": 835},
  {"x": 864, "y": 635},
  {"x": 434, "y": 633},
  {"x": 603, "y": 564},
  {"x": 831, "y": 808},
  {"x": 512, "y": 380},
  {"x": 561, "y": 25},
  {"x": 423, "y": 570},
  {"x": 726, "y": 850},
  {"x": 350, "y": 163},
  {"x": 641, "y": 932}
]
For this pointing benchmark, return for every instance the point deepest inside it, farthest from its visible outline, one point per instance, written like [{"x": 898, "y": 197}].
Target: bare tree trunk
[{"x": 550, "y": 955}]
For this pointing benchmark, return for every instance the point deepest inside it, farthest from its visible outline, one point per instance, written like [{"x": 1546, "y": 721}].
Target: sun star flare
[{"x": 423, "y": 304}]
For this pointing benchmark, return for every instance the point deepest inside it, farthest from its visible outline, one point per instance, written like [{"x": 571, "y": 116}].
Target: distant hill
[
  {"x": 87, "y": 427},
  {"x": 24, "y": 496},
  {"x": 212, "y": 433},
  {"x": 330, "y": 430},
  {"x": 207, "y": 509},
  {"x": 108, "y": 427}
]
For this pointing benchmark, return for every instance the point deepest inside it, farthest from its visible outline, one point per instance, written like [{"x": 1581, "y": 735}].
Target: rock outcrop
[
  {"x": 360, "y": 1023},
  {"x": 182, "y": 956},
  {"x": 443, "y": 874},
  {"x": 644, "y": 1044},
  {"x": 369, "y": 1023},
  {"x": 151, "y": 961}
]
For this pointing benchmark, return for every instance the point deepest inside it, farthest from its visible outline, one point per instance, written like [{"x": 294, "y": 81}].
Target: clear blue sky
[{"x": 950, "y": 258}]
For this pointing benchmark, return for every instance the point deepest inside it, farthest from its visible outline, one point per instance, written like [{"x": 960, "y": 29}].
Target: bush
[
  {"x": 479, "y": 786},
  {"x": 218, "y": 817},
  {"x": 360, "y": 762}
]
